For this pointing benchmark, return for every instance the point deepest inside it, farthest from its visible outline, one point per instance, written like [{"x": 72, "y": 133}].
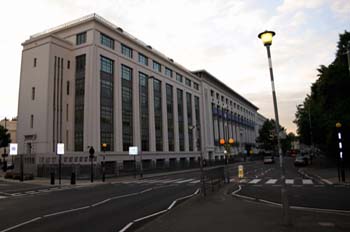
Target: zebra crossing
[
  {"x": 278, "y": 182},
  {"x": 162, "y": 181}
]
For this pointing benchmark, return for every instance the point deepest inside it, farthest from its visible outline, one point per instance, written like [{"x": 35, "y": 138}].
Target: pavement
[
  {"x": 329, "y": 175},
  {"x": 223, "y": 212}
]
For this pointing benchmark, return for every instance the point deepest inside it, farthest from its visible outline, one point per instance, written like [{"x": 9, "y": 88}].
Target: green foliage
[
  {"x": 328, "y": 103},
  {"x": 4, "y": 137},
  {"x": 267, "y": 139}
]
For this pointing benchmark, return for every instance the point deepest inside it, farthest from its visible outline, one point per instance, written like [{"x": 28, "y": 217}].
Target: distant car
[
  {"x": 300, "y": 161},
  {"x": 268, "y": 160}
]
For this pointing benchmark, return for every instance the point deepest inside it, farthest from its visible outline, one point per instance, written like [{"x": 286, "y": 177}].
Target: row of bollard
[{"x": 72, "y": 178}]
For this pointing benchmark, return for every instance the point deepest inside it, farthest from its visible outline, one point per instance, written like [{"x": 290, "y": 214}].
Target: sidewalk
[
  {"x": 222, "y": 212},
  {"x": 328, "y": 175}
]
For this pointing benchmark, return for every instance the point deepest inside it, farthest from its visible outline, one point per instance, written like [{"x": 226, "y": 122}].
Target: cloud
[{"x": 341, "y": 8}]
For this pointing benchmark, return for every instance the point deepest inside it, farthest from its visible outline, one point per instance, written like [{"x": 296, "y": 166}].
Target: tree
[
  {"x": 267, "y": 139},
  {"x": 4, "y": 137},
  {"x": 328, "y": 103}
]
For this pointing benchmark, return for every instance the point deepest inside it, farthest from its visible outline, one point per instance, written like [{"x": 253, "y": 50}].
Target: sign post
[
  {"x": 60, "y": 152},
  {"x": 134, "y": 152},
  {"x": 14, "y": 152},
  {"x": 92, "y": 152}
]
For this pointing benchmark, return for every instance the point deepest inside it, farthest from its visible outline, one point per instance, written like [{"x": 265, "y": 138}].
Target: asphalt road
[
  {"x": 104, "y": 207},
  {"x": 263, "y": 182}
]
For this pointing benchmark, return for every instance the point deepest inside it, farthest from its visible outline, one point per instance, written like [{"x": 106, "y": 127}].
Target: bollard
[
  {"x": 72, "y": 178},
  {"x": 52, "y": 174},
  {"x": 240, "y": 171}
]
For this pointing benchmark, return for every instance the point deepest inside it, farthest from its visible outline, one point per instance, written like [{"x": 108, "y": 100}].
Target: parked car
[
  {"x": 300, "y": 161},
  {"x": 269, "y": 160}
]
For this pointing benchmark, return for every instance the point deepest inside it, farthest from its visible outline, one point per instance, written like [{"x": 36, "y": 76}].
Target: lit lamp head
[
  {"x": 222, "y": 141},
  {"x": 104, "y": 146},
  {"x": 231, "y": 141},
  {"x": 266, "y": 37},
  {"x": 338, "y": 125}
]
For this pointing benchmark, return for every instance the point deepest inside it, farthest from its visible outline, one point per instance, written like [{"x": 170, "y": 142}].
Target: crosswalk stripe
[
  {"x": 2, "y": 197},
  {"x": 289, "y": 181},
  {"x": 307, "y": 181},
  {"x": 271, "y": 181},
  {"x": 243, "y": 181},
  {"x": 255, "y": 181},
  {"x": 184, "y": 181}
]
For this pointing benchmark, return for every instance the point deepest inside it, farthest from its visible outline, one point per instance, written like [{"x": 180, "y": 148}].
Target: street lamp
[
  {"x": 104, "y": 147},
  {"x": 227, "y": 150},
  {"x": 266, "y": 38},
  {"x": 200, "y": 165}
]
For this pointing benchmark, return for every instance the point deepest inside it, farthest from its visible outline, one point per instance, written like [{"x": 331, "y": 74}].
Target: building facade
[{"x": 89, "y": 83}]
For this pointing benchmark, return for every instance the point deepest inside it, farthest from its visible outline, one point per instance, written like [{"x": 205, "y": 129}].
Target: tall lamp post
[{"x": 266, "y": 38}]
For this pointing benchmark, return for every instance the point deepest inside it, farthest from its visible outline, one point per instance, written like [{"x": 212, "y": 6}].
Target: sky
[{"x": 219, "y": 36}]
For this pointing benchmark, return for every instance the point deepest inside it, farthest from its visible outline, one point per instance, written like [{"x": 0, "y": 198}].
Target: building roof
[{"x": 216, "y": 81}]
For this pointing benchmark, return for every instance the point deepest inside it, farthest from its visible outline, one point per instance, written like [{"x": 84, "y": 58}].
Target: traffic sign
[
  {"x": 13, "y": 148},
  {"x": 60, "y": 148},
  {"x": 133, "y": 150}
]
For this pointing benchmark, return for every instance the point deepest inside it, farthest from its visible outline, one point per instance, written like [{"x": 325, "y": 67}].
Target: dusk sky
[{"x": 219, "y": 36}]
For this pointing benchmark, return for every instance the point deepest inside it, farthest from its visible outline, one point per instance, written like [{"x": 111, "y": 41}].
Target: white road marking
[
  {"x": 271, "y": 181},
  {"x": 32, "y": 192},
  {"x": 327, "y": 181},
  {"x": 195, "y": 182},
  {"x": 21, "y": 224},
  {"x": 184, "y": 181},
  {"x": 2, "y": 197},
  {"x": 243, "y": 181},
  {"x": 255, "y": 181},
  {"x": 289, "y": 181},
  {"x": 171, "y": 181},
  {"x": 307, "y": 181}
]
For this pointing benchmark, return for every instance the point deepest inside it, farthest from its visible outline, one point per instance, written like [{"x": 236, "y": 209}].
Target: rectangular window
[
  {"x": 212, "y": 93},
  {"x": 80, "y": 38},
  {"x": 217, "y": 96},
  {"x": 127, "y": 123},
  {"x": 67, "y": 111},
  {"x": 157, "y": 67},
  {"x": 33, "y": 93},
  {"x": 143, "y": 59},
  {"x": 68, "y": 64},
  {"x": 170, "y": 116},
  {"x": 168, "y": 72},
  {"x": 144, "y": 118},
  {"x": 180, "y": 112},
  {"x": 106, "y": 102},
  {"x": 80, "y": 62},
  {"x": 34, "y": 62},
  {"x": 107, "y": 41},
  {"x": 189, "y": 120},
  {"x": 157, "y": 92},
  {"x": 31, "y": 121},
  {"x": 68, "y": 87},
  {"x": 188, "y": 82},
  {"x": 126, "y": 51},
  {"x": 179, "y": 77},
  {"x": 195, "y": 85}
]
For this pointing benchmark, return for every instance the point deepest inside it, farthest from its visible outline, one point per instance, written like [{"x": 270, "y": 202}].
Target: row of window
[
  {"x": 231, "y": 103},
  {"x": 142, "y": 59},
  {"x": 107, "y": 109}
]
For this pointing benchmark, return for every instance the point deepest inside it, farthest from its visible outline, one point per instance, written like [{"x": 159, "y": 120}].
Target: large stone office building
[{"x": 89, "y": 82}]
